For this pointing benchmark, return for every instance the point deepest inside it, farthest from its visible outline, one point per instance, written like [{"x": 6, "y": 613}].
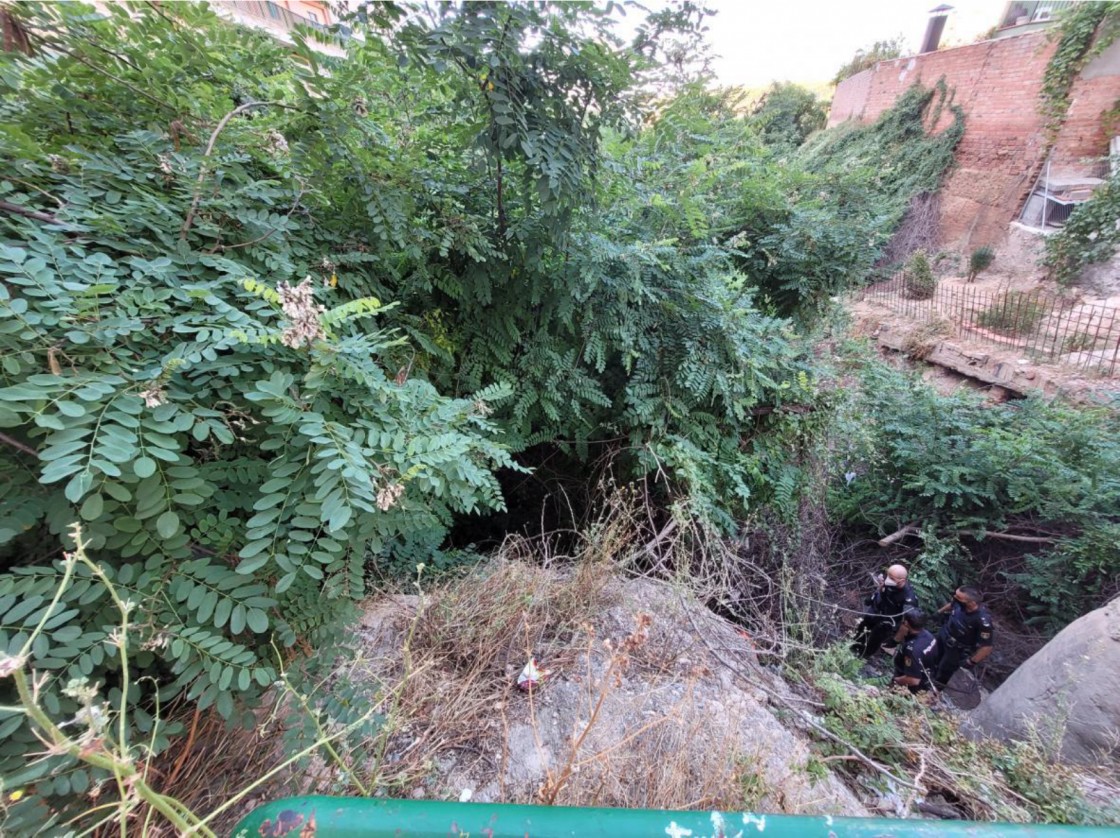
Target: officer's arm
[
  {"x": 983, "y": 643},
  {"x": 911, "y": 670},
  {"x": 981, "y": 653},
  {"x": 946, "y": 608}
]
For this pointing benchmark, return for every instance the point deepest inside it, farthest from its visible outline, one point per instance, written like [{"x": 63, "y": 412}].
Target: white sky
[{"x": 806, "y": 41}]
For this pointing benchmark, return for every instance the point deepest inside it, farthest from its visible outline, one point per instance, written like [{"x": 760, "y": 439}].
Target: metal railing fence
[{"x": 1041, "y": 325}]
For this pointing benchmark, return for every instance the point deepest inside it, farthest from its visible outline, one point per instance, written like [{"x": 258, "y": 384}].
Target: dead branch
[
  {"x": 204, "y": 170},
  {"x": 909, "y": 529},
  {"x": 16, "y": 209}
]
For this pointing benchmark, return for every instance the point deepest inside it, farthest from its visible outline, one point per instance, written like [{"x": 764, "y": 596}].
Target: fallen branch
[
  {"x": 1028, "y": 539},
  {"x": 651, "y": 548},
  {"x": 16, "y": 209},
  {"x": 909, "y": 529},
  {"x": 786, "y": 408}
]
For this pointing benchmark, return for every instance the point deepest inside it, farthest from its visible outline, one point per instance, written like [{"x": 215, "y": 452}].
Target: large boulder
[{"x": 1069, "y": 692}]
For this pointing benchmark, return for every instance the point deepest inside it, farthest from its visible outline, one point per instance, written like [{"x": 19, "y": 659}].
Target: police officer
[
  {"x": 916, "y": 657},
  {"x": 885, "y": 609},
  {"x": 966, "y": 637}
]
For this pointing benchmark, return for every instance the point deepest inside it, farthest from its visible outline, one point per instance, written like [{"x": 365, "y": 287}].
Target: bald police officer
[{"x": 884, "y": 613}]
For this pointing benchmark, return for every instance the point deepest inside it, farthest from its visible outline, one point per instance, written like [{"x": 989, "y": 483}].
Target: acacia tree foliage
[
  {"x": 270, "y": 320},
  {"x": 192, "y": 364},
  {"x": 967, "y": 473},
  {"x": 787, "y": 114}
]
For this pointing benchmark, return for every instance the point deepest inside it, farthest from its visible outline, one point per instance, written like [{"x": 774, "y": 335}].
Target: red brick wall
[{"x": 998, "y": 84}]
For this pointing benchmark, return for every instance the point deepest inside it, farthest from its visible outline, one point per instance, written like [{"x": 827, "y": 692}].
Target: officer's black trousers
[
  {"x": 950, "y": 661},
  {"x": 871, "y": 633}
]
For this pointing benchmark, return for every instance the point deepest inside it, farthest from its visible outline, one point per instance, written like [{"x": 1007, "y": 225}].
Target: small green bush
[
  {"x": 1013, "y": 313},
  {"x": 980, "y": 260},
  {"x": 1079, "y": 342},
  {"x": 919, "y": 282}
]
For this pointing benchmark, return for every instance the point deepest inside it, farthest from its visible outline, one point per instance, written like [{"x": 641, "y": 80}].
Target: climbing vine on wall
[{"x": 1076, "y": 48}]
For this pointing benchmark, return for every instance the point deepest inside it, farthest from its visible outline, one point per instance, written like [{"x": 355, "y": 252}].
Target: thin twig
[
  {"x": 40, "y": 190},
  {"x": 19, "y": 446},
  {"x": 222, "y": 248},
  {"x": 109, "y": 75},
  {"x": 203, "y": 170}
]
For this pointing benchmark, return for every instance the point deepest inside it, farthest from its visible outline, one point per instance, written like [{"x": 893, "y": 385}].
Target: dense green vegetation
[
  {"x": 868, "y": 57},
  {"x": 787, "y": 114},
  {"x": 271, "y": 322},
  {"x": 1090, "y": 236},
  {"x": 1020, "y": 497}
]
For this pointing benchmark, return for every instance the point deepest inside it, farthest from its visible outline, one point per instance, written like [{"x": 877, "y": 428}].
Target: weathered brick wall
[{"x": 998, "y": 84}]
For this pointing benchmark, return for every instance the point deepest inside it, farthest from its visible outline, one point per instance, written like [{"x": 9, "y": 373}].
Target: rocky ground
[{"x": 655, "y": 702}]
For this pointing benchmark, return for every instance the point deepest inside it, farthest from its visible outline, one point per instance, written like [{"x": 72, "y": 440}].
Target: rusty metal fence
[{"x": 1041, "y": 325}]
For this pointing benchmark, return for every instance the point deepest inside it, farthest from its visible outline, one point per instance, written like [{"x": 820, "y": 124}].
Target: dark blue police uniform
[
  {"x": 917, "y": 658},
  {"x": 886, "y": 607},
  {"x": 961, "y": 635}
]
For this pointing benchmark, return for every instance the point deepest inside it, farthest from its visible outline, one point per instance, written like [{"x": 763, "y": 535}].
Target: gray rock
[{"x": 1068, "y": 692}]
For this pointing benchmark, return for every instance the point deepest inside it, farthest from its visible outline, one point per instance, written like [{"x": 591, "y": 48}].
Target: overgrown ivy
[
  {"x": 1085, "y": 30},
  {"x": 878, "y": 169}
]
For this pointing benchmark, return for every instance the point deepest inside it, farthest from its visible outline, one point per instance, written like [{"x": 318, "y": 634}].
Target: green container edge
[{"x": 349, "y": 817}]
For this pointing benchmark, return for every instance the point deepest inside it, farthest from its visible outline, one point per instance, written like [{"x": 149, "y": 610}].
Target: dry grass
[
  {"x": 660, "y": 765},
  {"x": 442, "y": 677},
  {"x": 440, "y": 671},
  {"x": 921, "y": 341}
]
